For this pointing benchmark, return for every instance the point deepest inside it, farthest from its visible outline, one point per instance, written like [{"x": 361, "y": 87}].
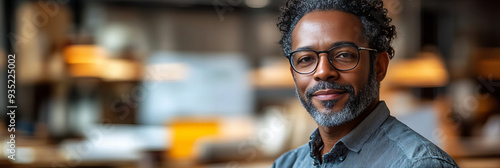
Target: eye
[
  {"x": 345, "y": 55},
  {"x": 306, "y": 59},
  {"x": 302, "y": 57}
]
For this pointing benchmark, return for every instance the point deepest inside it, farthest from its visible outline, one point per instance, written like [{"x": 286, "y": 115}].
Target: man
[{"x": 339, "y": 51}]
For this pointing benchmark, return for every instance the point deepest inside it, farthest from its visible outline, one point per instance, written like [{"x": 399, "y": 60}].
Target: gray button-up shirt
[{"x": 380, "y": 140}]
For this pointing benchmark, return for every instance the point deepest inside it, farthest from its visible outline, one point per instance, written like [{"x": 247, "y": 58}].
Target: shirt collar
[{"x": 355, "y": 139}]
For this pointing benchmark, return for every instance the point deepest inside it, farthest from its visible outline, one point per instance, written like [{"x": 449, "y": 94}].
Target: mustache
[{"x": 322, "y": 85}]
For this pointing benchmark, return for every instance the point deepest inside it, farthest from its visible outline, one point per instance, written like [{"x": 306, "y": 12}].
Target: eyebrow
[{"x": 331, "y": 46}]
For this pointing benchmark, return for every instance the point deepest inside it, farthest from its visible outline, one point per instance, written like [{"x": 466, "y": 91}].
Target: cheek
[
  {"x": 302, "y": 82},
  {"x": 359, "y": 77}
]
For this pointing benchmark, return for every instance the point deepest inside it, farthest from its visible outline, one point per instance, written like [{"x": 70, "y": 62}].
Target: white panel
[{"x": 214, "y": 85}]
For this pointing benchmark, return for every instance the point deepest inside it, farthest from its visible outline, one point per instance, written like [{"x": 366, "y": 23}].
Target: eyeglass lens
[{"x": 342, "y": 58}]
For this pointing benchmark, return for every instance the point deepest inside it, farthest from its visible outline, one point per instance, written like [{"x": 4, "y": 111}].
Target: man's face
[{"x": 333, "y": 97}]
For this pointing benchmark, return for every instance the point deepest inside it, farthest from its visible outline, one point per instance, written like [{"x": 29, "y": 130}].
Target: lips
[{"x": 328, "y": 94}]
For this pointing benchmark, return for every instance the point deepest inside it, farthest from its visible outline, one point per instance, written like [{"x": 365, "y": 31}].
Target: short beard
[{"x": 354, "y": 107}]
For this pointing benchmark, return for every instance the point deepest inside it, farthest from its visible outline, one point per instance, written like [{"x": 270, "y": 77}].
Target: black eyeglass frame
[{"x": 289, "y": 56}]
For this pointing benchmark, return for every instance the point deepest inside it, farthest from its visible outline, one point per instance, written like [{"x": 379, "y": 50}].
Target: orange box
[{"x": 185, "y": 133}]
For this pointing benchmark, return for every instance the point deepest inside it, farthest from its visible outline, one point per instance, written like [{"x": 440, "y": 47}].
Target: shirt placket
[{"x": 335, "y": 156}]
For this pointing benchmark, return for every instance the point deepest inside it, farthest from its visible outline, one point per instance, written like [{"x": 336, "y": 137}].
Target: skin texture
[{"x": 320, "y": 30}]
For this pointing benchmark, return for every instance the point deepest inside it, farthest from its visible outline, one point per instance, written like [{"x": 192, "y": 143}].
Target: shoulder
[
  {"x": 294, "y": 157},
  {"x": 431, "y": 162},
  {"x": 417, "y": 151}
]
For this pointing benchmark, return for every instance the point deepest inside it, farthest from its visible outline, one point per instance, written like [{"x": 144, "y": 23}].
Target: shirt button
[{"x": 341, "y": 158}]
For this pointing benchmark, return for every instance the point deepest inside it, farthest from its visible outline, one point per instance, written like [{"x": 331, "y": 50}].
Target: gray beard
[{"x": 355, "y": 106}]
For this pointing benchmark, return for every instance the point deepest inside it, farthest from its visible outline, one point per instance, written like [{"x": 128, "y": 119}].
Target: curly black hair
[{"x": 376, "y": 24}]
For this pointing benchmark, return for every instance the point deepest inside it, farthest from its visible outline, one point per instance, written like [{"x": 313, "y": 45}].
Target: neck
[{"x": 331, "y": 135}]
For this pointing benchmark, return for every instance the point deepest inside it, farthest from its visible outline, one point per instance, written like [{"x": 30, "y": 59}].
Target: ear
[{"x": 381, "y": 64}]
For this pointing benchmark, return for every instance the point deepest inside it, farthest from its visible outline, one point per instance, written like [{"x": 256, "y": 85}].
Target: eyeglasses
[{"x": 342, "y": 57}]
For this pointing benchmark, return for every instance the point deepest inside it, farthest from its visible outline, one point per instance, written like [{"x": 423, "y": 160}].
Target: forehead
[{"x": 321, "y": 29}]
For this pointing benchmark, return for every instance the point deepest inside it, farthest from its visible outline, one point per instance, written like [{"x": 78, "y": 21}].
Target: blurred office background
[{"x": 203, "y": 83}]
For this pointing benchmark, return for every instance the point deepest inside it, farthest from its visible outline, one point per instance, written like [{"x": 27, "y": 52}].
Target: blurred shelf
[{"x": 477, "y": 148}]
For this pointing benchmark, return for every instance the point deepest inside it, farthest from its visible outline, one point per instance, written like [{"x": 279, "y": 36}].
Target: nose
[{"x": 325, "y": 70}]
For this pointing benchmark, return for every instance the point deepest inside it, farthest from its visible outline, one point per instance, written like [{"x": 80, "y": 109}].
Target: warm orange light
[
  {"x": 93, "y": 61},
  {"x": 84, "y": 60},
  {"x": 84, "y": 54},
  {"x": 427, "y": 70},
  {"x": 185, "y": 133},
  {"x": 120, "y": 69},
  {"x": 276, "y": 75},
  {"x": 489, "y": 67},
  {"x": 84, "y": 70}
]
